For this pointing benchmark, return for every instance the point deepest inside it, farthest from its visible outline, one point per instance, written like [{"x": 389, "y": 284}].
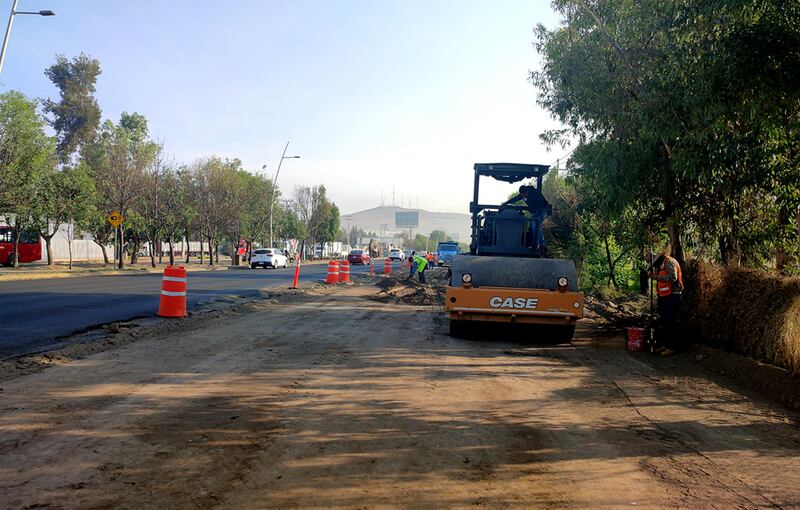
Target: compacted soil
[{"x": 335, "y": 400}]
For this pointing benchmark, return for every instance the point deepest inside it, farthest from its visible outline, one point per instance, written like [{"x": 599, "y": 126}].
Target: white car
[
  {"x": 268, "y": 257},
  {"x": 395, "y": 254}
]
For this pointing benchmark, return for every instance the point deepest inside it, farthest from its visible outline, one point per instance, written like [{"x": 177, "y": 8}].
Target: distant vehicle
[
  {"x": 30, "y": 249},
  {"x": 268, "y": 257},
  {"x": 395, "y": 254},
  {"x": 358, "y": 257},
  {"x": 407, "y": 253},
  {"x": 447, "y": 250}
]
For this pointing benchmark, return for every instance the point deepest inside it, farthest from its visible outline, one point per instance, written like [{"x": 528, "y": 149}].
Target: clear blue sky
[{"x": 372, "y": 93}]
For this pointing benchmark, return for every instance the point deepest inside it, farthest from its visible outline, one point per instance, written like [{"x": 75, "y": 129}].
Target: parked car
[
  {"x": 268, "y": 257},
  {"x": 396, "y": 254},
  {"x": 358, "y": 257}
]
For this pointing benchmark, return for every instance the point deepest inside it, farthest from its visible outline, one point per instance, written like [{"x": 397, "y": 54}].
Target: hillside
[{"x": 455, "y": 224}]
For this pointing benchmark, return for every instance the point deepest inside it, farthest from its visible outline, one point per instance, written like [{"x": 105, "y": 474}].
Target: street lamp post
[
  {"x": 14, "y": 12},
  {"x": 275, "y": 183},
  {"x": 349, "y": 219}
]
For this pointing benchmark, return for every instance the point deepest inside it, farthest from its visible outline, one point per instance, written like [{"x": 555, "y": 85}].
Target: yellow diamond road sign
[{"x": 115, "y": 218}]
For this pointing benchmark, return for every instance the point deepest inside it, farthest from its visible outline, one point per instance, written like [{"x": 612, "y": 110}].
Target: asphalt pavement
[{"x": 36, "y": 314}]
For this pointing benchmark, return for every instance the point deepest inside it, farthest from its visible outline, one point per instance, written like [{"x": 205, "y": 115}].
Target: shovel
[{"x": 651, "y": 323}]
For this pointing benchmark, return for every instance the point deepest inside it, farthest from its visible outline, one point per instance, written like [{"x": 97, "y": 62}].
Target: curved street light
[
  {"x": 14, "y": 12},
  {"x": 274, "y": 183}
]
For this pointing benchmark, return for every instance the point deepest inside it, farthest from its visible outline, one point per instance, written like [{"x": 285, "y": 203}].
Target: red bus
[{"x": 30, "y": 249}]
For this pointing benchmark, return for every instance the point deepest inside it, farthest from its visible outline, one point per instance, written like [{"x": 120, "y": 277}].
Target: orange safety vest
[{"x": 664, "y": 288}]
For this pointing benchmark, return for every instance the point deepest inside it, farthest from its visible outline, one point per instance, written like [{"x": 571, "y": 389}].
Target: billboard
[{"x": 406, "y": 219}]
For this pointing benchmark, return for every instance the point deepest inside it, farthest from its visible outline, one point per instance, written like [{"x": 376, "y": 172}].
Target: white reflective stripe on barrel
[
  {"x": 170, "y": 293},
  {"x": 174, "y": 279}
]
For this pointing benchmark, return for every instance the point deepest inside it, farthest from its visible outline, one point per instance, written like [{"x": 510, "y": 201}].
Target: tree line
[
  {"x": 687, "y": 120},
  {"x": 89, "y": 169}
]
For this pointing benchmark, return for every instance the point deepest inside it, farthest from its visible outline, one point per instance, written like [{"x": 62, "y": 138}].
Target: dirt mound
[
  {"x": 744, "y": 311},
  {"x": 617, "y": 314},
  {"x": 408, "y": 292},
  {"x": 387, "y": 283}
]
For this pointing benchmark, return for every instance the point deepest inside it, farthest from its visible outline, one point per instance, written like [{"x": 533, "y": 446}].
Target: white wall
[{"x": 83, "y": 247}]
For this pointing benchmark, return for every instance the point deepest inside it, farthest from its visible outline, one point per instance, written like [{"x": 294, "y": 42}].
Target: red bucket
[{"x": 636, "y": 339}]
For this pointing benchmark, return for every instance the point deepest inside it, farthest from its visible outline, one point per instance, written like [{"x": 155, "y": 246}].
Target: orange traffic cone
[
  {"x": 344, "y": 271},
  {"x": 173, "y": 292},
  {"x": 333, "y": 272},
  {"x": 387, "y": 266}
]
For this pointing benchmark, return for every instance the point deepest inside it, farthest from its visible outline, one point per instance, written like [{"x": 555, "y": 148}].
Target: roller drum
[{"x": 514, "y": 272}]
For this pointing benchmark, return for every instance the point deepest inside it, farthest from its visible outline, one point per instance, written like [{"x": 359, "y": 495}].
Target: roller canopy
[
  {"x": 510, "y": 172},
  {"x": 514, "y": 272}
]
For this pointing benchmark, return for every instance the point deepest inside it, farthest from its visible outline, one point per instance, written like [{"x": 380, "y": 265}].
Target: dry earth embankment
[{"x": 744, "y": 311}]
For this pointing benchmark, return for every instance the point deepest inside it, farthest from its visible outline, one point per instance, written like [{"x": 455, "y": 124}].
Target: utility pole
[
  {"x": 349, "y": 219},
  {"x": 274, "y": 184}
]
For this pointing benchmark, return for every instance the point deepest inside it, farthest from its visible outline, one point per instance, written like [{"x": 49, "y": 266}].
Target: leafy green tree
[
  {"x": 62, "y": 198},
  {"x": 290, "y": 226},
  {"x": 26, "y": 156},
  {"x": 117, "y": 159},
  {"x": 316, "y": 213},
  {"x": 176, "y": 210},
  {"x": 94, "y": 221},
  {"x": 215, "y": 194},
  {"x": 135, "y": 235},
  {"x": 76, "y": 115},
  {"x": 257, "y": 193},
  {"x": 73, "y": 190},
  {"x": 685, "y": 114},
  {"x": 329, "y": 222}
]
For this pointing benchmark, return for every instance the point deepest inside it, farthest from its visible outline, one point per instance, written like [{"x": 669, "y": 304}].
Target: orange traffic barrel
[
  {"x": 344, "y": 271},
  {"x": 173, "y": 292},
  {"x": 387, "y": 266},
  {"x": 333, "y": 272}
]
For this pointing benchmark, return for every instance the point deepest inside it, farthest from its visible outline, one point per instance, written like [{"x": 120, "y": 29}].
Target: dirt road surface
[{"x": 332, "y": 400}]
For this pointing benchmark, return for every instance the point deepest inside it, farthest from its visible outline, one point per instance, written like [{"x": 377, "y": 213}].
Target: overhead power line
[{"x": 568, "y": 154}]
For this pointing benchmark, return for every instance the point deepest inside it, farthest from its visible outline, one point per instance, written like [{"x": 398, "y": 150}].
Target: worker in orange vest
[{"x": 669, "y": 287}]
